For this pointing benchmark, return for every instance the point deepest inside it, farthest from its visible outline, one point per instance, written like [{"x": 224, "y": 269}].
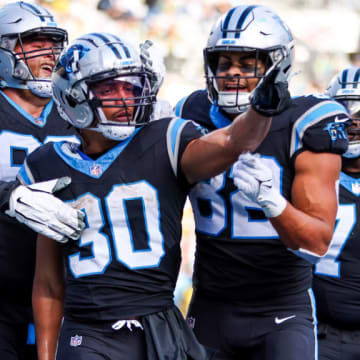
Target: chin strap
[{"x": 234, "y": 103}]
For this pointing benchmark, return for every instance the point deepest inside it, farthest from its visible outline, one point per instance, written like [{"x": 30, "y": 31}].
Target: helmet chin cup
[
  {"x": 353, "y": 150},
  {"x": 115, "y": 132},
  {"x": 233, "y": 102},
  {"x": 40, "y": 87}
]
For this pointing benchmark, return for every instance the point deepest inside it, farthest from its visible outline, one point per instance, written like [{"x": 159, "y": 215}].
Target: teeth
[{"x": 47, "y": 67}]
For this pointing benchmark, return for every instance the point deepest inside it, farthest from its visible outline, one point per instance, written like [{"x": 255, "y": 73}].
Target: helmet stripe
[
  {"x": 91, "y": 41},
  {"x": 242, "y": 18},
  {"x": 356, "y": 79},
  {"x": 344, "y": 78},
  {"x": 239, "y": 23},
  {"x": 226, "y": 22},
  {"x": 35, "y": 9},
  {"x": 125, "y": 48},
  {"x": 108, "y": 43}
]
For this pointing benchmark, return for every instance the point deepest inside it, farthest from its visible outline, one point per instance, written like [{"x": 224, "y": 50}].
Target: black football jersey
[
  {"x": 127, "y": 260},
  {"x": 239, "y": 257},
  {"x": 20, "y": 134},
  {"x": 337, "y": 275}
]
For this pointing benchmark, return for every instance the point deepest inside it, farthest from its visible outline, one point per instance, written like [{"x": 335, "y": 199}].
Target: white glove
[
  {"x": 254, "y": 179},
  {"x": 153, "y": 61},
  {"x": 37, "y": 208}
]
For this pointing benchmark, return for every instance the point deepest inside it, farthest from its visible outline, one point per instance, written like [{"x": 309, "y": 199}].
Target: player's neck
[
  {"x": 29, "y": 102},
  {"x": 94, "y": 143},
  {"x": 351, "y": 165}
]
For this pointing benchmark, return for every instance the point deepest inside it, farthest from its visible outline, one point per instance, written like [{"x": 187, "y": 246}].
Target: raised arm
[
  {"x": 48, "y": 296},
  {"x": 215, "y": 152}
]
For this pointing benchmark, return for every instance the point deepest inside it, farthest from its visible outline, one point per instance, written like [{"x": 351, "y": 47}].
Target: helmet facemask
[
  {"x": 237, "y": 100},
  {"x": 19, "y": 23},
  {"x": 344, "y": 87},
  {"x": 40, "y": 86},
  {"x": 252, "y": 29},
  {"x": 101, "y": 84},
  {"x": 133, "y": 109},
  {"x": 353, "y": 106}
]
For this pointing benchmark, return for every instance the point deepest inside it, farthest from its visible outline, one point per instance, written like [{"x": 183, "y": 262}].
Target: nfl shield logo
[
  {"x": 75, "y": 340},
  {"x": 39, "y": 121},
  {"x": 95, "y": 170}
]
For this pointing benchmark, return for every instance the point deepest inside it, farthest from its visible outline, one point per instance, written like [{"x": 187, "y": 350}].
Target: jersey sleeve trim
[
  {"x": 24, "y": 175},
  {"x": 179, "y": 106},
  {"x": 313, "y": 116},
  {"x": 173, "y": 136}
]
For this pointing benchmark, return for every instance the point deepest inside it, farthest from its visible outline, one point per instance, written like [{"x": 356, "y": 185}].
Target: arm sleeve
[
  {"x": 327, "y": 136},
  {"x": 320, "y": 126},
  {"x": 180, "y": 133}
]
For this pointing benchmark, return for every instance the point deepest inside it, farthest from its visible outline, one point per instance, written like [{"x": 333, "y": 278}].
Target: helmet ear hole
[
  {"x": 70, "y": 100},
  {"x": 21, "y": 71}
]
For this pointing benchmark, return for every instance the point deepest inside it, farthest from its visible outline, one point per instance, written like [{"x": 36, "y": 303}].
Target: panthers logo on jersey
[{"x": 336, "y": 129}]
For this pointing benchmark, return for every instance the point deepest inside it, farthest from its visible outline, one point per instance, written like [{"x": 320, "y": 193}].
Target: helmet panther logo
[{"x": 70, "y": 59}]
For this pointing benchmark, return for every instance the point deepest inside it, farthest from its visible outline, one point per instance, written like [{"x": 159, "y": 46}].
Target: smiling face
[
  {"x": 38, "y": 53},
  {"x": 237, "y": 71}
]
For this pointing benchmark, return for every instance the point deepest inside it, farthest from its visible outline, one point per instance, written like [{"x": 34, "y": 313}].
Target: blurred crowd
[{"x": 326, "y": 34}]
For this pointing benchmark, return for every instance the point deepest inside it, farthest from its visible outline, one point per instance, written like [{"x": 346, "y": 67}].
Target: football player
[
  {"x": 131, "y": 177},
  {"x": 30, "y": 41},
  {"x": 252, "y": 275},
  {"x": 337, "y": 274}
]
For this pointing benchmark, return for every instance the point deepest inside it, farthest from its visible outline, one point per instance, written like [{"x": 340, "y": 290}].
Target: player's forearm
[
  {"x": 217, "y": 151},
  {"x": 247, "y": 131},
  {"x": 48, "y": 314},
  {"x": 298, "y": 230}
]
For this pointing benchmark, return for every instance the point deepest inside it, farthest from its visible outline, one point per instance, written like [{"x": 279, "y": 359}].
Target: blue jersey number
[
  {"x": 214, "y": 222},
  {"x": 329, "y": 265}
]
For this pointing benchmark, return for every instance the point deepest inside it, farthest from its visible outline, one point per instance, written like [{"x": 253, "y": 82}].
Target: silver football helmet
[
  {"x": 19, "y": 21},
  {"x": 90, "y": 60},
  {"x": 255, "y": 29},
  {"x": 345, "y": 88}
]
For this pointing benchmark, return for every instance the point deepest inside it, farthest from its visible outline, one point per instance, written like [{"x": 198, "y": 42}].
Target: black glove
[{"x": 270, "y": 97}]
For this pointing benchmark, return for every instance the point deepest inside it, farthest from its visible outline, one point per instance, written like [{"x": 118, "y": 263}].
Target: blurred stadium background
[{"x": 327, "y": 34}]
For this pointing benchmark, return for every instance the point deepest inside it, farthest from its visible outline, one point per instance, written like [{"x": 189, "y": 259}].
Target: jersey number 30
[{"x": 123, "y": 244}]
